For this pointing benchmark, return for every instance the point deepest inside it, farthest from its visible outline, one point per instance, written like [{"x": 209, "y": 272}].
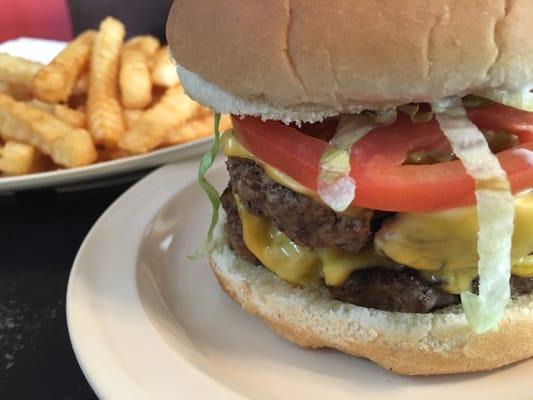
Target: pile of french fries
[{"x": 100, "y": 99}]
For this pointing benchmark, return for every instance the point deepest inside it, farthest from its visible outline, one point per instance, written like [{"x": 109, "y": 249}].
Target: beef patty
[
  {"x": 234, "y": 227},
  {"x": 304, "y": 221},
  {"x": 399, "y": 290},
  {"x": 404, "y": 291}
]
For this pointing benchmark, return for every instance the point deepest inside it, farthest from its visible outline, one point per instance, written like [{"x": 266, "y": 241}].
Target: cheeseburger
[{"x": 380, "y": 172}]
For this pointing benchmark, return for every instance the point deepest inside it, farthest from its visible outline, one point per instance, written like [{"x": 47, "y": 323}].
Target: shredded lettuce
[
  {"x": 335, "y": 186},
  {"x": 520, "y": 99},
  {"x": 384, "y": 117},
  {"x": 472, "y": 101},
  {"x": 206, "y": 163},
  {"x": 352, "y": 128},
  {"x": 495, "y": 209},
  {"x": 413, "y": 111}
]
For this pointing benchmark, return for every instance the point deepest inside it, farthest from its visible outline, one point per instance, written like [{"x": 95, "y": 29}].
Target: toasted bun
[
  {"x": 411, "y": 344},
  {"x": 309, "y": 59}
]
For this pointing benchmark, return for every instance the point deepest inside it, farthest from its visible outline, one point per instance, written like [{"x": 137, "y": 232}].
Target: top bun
[{"x": 307, "y": 59}]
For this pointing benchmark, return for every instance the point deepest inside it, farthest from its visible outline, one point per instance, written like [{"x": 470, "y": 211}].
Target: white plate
[
  {"x": 96, "y": 174},
  {"x": 147, "y": 322}
]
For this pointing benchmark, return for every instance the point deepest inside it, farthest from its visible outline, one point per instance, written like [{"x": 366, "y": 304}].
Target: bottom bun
[{"x": 410, "y": 344}]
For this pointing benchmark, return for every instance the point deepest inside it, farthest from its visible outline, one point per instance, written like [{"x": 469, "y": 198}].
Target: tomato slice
[
  {"x": 499, "y": 117},
  {"x": 377, "y": 161},
  {"x": 384, "y": 183},
  {"x": 283, "y": 147}
]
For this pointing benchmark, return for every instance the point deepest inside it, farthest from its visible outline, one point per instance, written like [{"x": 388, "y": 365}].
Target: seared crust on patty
[
  {"x": 521, "y": 286},
  {"x": 234, "y": 227},
  {"x": 400, "y": 290},
  {"x": 305, "y": 221}
]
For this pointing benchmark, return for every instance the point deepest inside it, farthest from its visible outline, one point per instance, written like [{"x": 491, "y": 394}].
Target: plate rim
[
  {"x": 105, "y": 385},
  {"x": 110, "y": 168}
]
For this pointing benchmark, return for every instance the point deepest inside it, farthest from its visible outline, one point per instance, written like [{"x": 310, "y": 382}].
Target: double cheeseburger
[{"x": 380, "y": 172}]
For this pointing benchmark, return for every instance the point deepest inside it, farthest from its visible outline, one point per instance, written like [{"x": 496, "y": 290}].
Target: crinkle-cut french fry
[
  {"x": 164, "y": 71},
  {"x": 6, "y": 99},
  {"x": 104, "y": 112},
  {"x": 41, "y": 105},
  {"x": 148, "y": 44},
  {"x": 66, "y": 146},
  {"x": 5, "y": 88},
  {"x": 21, "y": 93},
  {"x": 54, "y": 82},
  {"x": 81, "y": 86},
  {"x": 174, "y": 108},
  {"x": 202, "y": 112},
  {"x": 195, "y": 129},
  {"x": 132, "y": 116},
  {"x": 18, "y": 71},
  {"x": 16, "y": 91},
  {"x": 75, "y": 118},
  {"x": 192, "y": 130},
  {"x": 17, "y": 158},
  {"x": 135, "y": 81}
]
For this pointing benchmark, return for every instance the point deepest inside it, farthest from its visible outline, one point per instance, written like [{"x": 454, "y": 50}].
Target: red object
[
  {"x": 499, "y": 117},
  {"x": 283, "y": 147},
  {"x": 49, "y": 19},
  {"x": 383, "y": 182}
]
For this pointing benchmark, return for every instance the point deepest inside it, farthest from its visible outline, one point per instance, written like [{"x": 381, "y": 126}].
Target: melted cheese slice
[
  {"x": 297, "y": 264},
  {"x": 447, "y": 240}
]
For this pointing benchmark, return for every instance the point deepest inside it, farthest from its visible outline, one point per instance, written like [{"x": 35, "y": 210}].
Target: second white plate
[
  {"x": 100, "y": 174},
  {"x": 147, "y": 322}
]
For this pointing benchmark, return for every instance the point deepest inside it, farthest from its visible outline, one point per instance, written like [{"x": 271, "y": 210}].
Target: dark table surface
[{"x": 40, "y": 233}]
